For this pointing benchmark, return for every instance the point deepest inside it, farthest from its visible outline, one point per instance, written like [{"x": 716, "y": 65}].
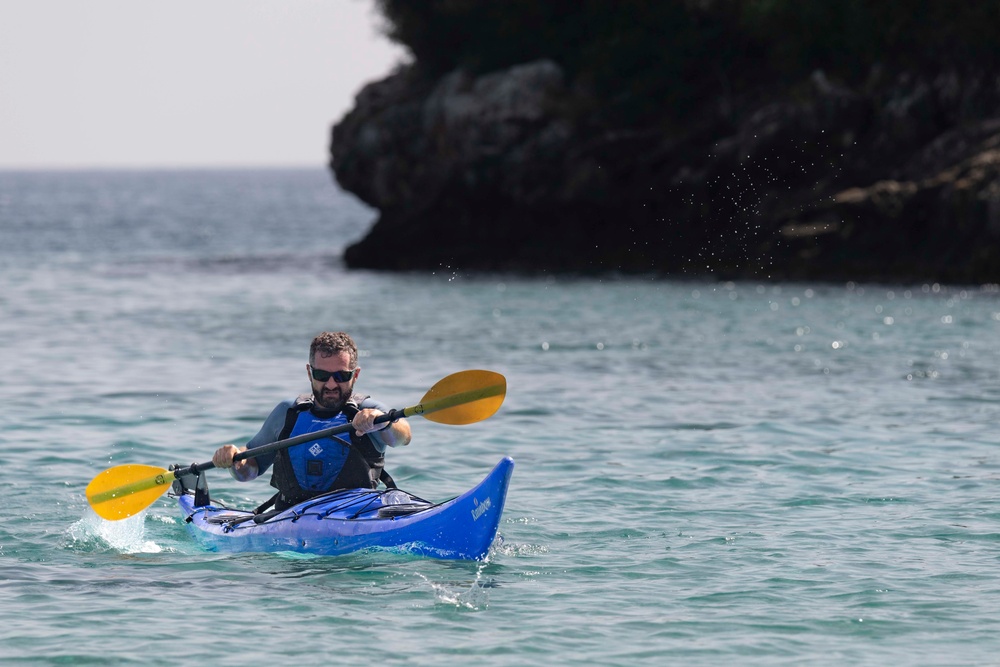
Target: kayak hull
[{"x": 344, "y": 522}]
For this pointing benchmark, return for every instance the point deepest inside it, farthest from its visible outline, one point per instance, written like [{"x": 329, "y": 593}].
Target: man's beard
[{"x": 335, "y": 402}]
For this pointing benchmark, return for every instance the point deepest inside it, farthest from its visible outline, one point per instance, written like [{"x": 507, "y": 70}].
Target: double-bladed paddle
[{"x": 461, "y": 398}]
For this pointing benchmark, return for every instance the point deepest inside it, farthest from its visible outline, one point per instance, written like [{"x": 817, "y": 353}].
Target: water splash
[
  {"x": 475, "y": 596},
  {"x": 128, "y": 536}
]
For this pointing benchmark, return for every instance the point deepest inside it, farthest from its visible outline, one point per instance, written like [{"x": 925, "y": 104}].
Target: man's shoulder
[
  {"x": 284, "y": 406},
  {"x": 369, "y": 402}
]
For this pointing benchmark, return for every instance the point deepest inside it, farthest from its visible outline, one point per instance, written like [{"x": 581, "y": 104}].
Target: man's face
[{"x": 330, "y": 394}]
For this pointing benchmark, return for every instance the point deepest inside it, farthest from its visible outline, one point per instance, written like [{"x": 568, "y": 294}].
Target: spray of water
[{"x": 127, "y": 536}]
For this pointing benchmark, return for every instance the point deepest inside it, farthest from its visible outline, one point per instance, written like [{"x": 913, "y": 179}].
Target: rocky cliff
[{"x": 895, "y": 179}]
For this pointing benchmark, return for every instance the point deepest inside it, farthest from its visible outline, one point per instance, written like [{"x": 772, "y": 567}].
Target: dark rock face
[{"x": 512, "y": 171}]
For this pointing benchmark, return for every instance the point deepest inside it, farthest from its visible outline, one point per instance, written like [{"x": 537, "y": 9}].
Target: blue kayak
[{"x": 342, "y": 522}]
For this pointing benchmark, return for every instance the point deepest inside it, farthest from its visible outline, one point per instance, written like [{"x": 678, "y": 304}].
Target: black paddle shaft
[{"x": 198, "y": 468}]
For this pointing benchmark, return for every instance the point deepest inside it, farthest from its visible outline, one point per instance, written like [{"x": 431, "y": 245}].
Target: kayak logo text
[{"x": 480, "y": 508}]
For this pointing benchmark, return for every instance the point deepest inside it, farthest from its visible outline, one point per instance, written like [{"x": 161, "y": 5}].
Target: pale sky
[{"x": 176, "y": 83}]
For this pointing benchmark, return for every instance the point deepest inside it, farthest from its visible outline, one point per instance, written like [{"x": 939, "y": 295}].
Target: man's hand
[
  {"x": 242, "y": 471},
  {"x": 393, "y": 434},
  {"x": 364, "y": 421}
]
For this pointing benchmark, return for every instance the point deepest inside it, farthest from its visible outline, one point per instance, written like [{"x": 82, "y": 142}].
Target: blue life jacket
[
  {"x": 307, "y": 470},
  {"x": 316, "y": 464}
]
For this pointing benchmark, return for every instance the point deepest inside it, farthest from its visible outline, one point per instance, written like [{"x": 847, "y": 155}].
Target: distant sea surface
[{"x": 707, "y": 473}]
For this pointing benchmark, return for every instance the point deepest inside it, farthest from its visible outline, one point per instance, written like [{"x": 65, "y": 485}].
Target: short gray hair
[{"x": 330, "y": 343}]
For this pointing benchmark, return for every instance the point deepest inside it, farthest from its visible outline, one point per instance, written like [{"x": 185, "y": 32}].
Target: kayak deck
[{"x": 347, "y": 521}]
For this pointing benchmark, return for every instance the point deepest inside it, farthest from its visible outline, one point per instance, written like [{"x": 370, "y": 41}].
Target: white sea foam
[{"x": 127, "y": 536}]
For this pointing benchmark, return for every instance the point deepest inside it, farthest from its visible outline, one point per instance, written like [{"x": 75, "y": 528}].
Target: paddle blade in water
[
  {"x": 122, "y": 491},
  {"x": 462, "y": 398}
]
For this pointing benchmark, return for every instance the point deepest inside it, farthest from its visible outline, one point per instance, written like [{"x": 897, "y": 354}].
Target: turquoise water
[{"x": 707, "y": 472}]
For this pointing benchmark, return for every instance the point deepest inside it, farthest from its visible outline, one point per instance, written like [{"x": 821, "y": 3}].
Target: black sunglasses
[{"x": 338, "y": 376}]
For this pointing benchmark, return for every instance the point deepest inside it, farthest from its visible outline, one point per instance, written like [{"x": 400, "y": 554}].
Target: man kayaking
[{"x": 309, "y": 469}]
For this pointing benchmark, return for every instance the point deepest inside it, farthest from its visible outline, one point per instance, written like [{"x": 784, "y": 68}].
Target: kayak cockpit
[{"x": 344, "y": 504}]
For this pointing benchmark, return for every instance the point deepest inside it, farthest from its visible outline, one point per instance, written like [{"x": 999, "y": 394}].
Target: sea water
[{"x": 706, "y": 472}]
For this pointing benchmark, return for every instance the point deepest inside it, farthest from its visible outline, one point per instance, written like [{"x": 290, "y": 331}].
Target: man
[{"x": 322, "y": 465}]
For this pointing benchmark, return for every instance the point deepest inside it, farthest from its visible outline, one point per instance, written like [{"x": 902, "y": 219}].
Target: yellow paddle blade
[
  {"x": 462, "y": 398},
  {"x": 119, "y": 492}
]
